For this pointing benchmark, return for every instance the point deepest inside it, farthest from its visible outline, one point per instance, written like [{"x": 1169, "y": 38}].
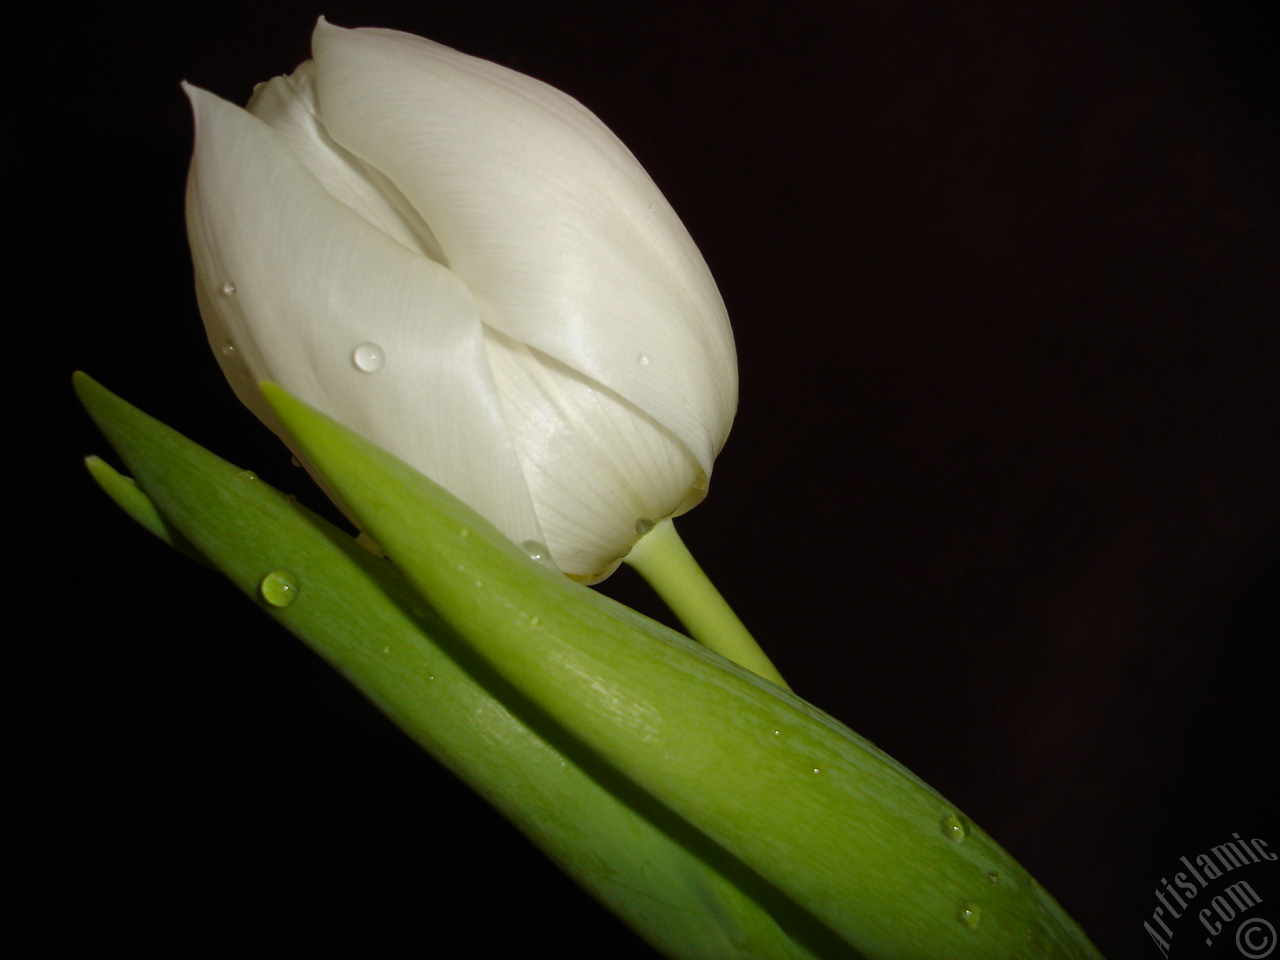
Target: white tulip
[{"x": 466, "y": 267}]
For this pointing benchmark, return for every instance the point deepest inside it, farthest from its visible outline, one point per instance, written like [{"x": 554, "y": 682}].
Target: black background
[{"x": 1001, "y": 495}]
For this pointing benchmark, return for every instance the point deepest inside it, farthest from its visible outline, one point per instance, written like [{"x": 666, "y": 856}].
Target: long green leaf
[
  {"x": 676, "y": 888},
  {"x": 823, "y": 815}
]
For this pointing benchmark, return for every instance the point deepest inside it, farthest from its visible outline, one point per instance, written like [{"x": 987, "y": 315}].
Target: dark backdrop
[{"x": 1002, "y": 492}]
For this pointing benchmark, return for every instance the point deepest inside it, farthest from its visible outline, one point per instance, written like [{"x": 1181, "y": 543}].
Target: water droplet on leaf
[
  {"x": 248, "y": 475},
  {"x": 970, "y": 914},
  {"x": 279, "y": 588},
  {"x": 954, "y": 828},
  {"x": 534, "y": 549},
  {"x": 368, "y": 357}
]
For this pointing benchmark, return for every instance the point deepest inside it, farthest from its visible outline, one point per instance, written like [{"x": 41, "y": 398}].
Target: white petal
[
  {"x": 288, "y": 106},
  {"x": 564, "y": 240},
  {"x": 295, "y": 281},
  {"x": 600, "y": 472}
]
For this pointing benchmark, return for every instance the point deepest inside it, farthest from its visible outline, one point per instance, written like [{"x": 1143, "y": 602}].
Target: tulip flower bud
[{"x": 464, "y": 266}]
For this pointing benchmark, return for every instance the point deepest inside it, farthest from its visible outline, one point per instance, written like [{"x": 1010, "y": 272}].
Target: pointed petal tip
[
  {"x": 323, "y": 26},
  {"x": 198, "y": 98}
]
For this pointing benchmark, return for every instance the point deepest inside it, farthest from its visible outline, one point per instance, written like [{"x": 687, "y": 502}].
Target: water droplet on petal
[
  {"x": 279, "y": 588},
  {"x": 368, "y": 357},
  {"x": 228, "y": 288},
  {"x": 643, "y": 526},
  {"x": 643, "y": 359},
  {"x": 228, "y": 349},
  {"x": 970, "y": 914},
  {"x": 954, "y": 828}
]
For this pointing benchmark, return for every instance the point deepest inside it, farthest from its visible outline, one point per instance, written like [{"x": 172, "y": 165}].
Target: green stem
[{"x": 666, "y": 563}]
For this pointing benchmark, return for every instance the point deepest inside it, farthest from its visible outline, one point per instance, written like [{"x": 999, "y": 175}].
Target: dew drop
[
  {"x": 994, "y": 878},
  {"x": 248, "y": 475},
  {"x": 816, "y": 770},
  {"x": 534, "y": 549},
  {"x": 777, "y": 733},
  {"x": 294, "y": 461},
  {"x": 643, "y": 359},
  {"x": 368, "y": 357},
  {"x": 954, "y": 828},
  {"x": 279, "y": 588},
  {"x": 970, "y": 914},
  {"x": 643, "y": 526},
  {"x": 464, "y": 533},
  {"x": 534, "y": 620},
  {"x": 228, "y": 349},
  {"x": 431, "y": 677},
  {"x": 228, "y": 289},
  {"x": 386, "y": 649}
]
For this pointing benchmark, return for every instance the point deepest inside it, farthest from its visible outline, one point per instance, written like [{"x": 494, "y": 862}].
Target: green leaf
[
  {"x": 124, "y": 491},
  {"x": 820, "y": 814},
  {"x": 675, "y": 887}
]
